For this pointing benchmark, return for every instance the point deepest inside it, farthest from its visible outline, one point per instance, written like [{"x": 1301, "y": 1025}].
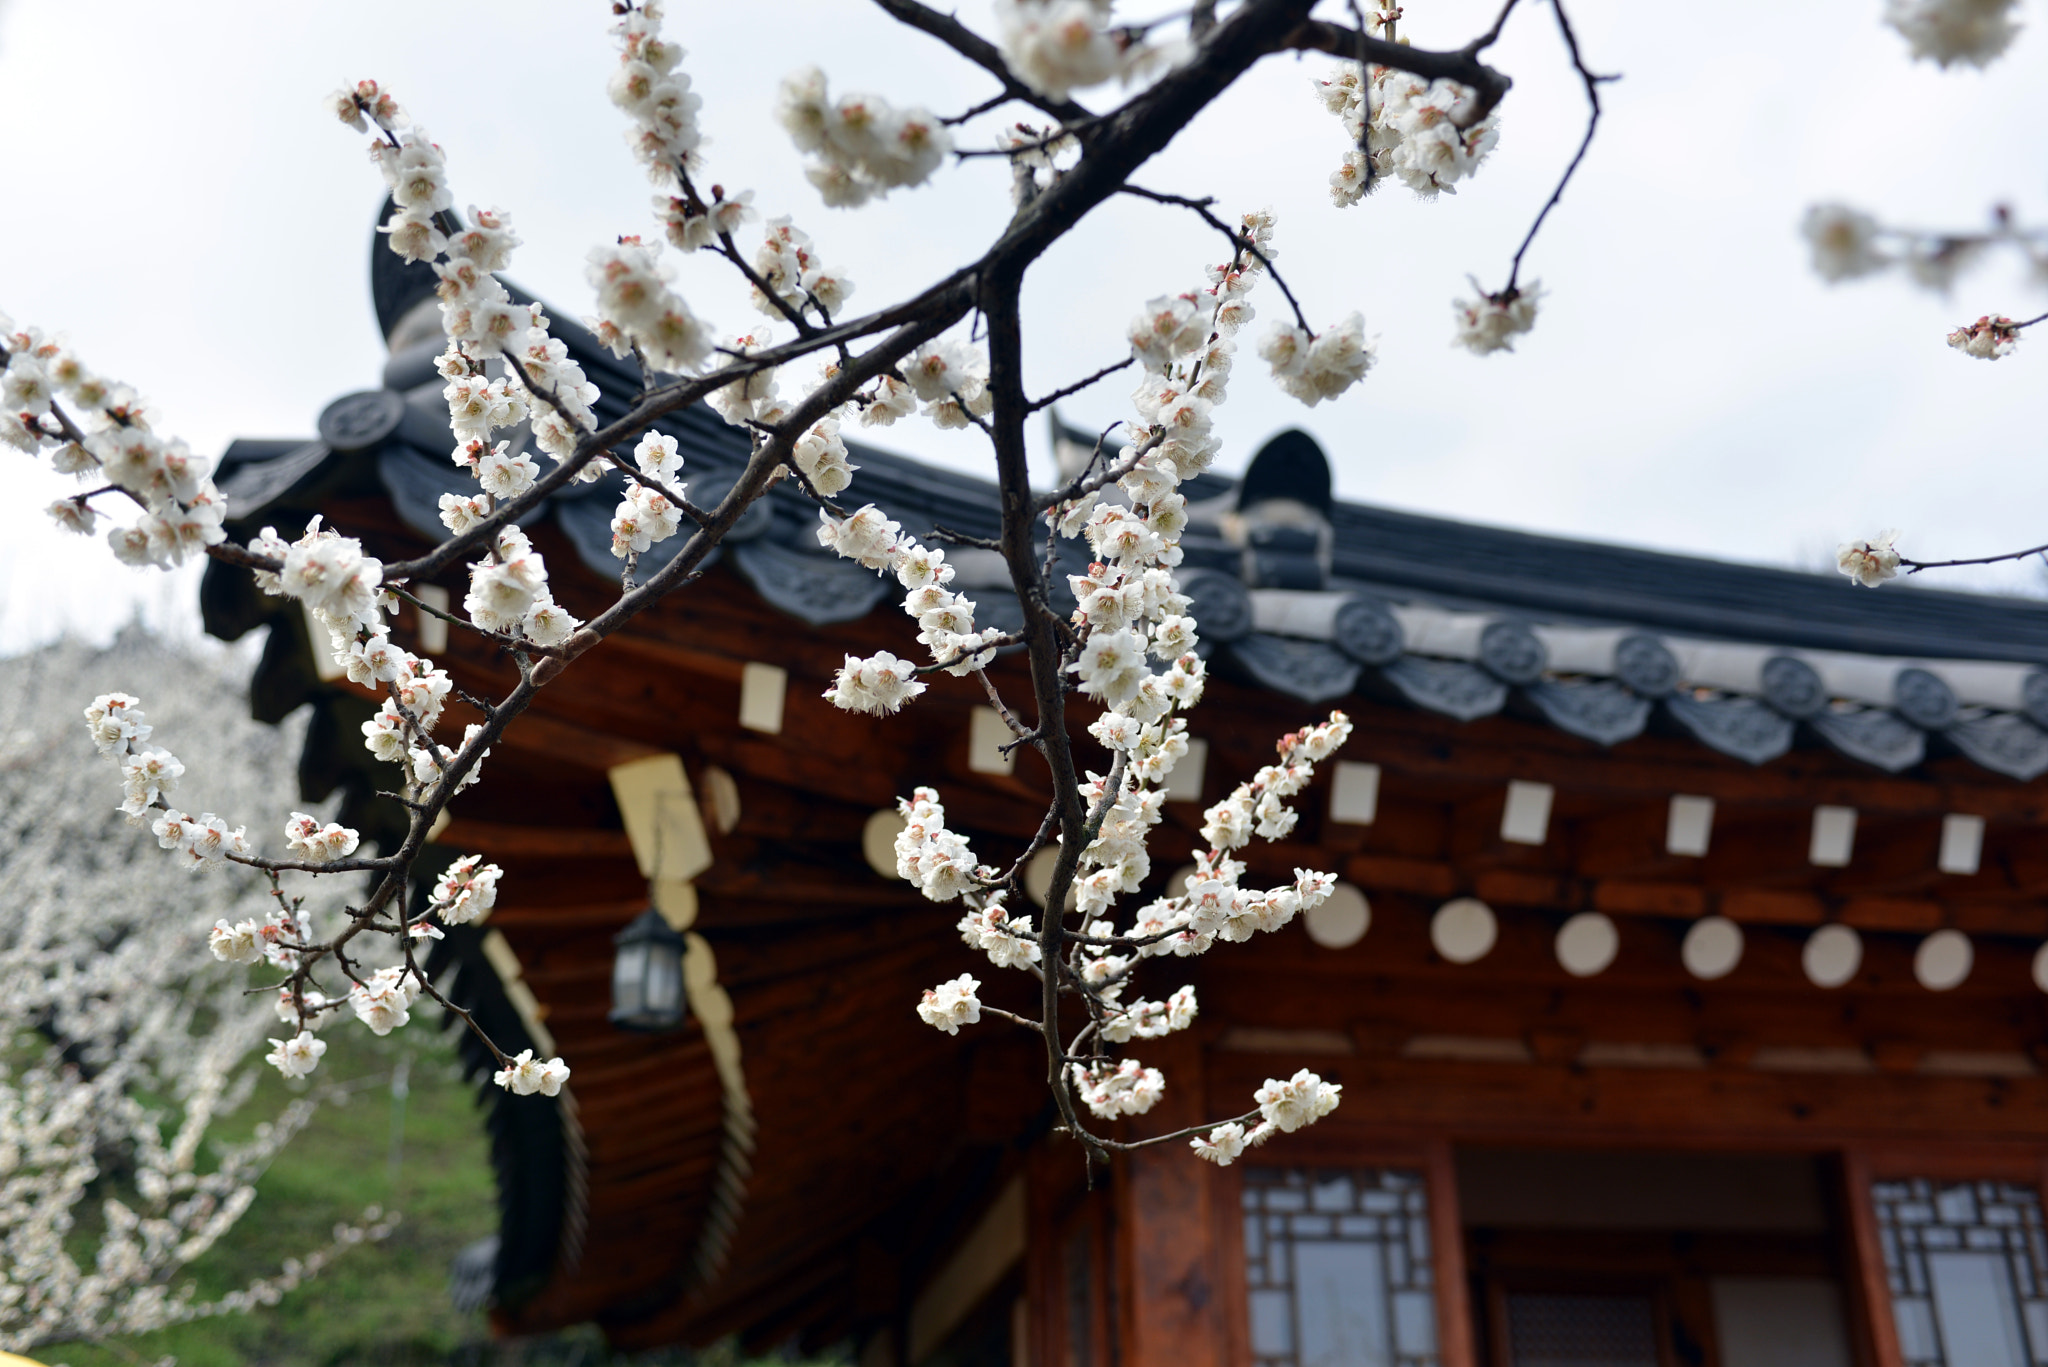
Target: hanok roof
[{"x": 1318, "y": 599}]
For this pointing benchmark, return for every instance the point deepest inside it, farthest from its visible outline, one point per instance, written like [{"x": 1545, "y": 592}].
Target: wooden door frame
[
  {"x": 1430, "y": 1157},
  {"x": 1862, "y": 1165}
]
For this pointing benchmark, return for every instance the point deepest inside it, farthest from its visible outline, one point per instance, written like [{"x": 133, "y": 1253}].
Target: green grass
[
  {"x": 375, "y": 1303},
  {"x": 384, "y": 1304}
]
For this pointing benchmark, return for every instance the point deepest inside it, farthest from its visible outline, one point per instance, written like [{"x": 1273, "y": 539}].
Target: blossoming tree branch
[{"x": 951, "y": 354}]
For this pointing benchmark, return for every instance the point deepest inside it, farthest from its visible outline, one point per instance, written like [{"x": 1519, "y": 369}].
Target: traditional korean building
[{"x": 1686, "y": 985}]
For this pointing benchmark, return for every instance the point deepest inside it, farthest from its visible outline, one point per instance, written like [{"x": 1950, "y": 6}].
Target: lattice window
[
  {"x": 1966, "y": 1263},
  {"x": 1337, "y": 1265}
]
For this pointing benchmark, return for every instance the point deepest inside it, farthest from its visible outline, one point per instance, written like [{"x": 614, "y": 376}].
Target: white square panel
[
  {"x": 1526, "y": 818},
  {"x": 987, "y": 734},
  {"x": 1962, "y": 843},
  {"x": 1355, "y": 793},
  {"x": 761, "y": 690},
  {"x": 1834, "y": 837},
  {"x": 1690, "y": 826},
  {"x": 1184, "y": 784}
]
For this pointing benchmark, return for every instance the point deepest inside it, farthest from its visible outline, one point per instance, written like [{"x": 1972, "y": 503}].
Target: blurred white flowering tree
[
  {"x": 1081, "y": 98},
  {"x": 121, "y": 1041}
]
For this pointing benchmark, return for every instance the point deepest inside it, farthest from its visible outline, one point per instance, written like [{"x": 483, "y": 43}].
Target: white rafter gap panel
[
  {"x": 1184, "y": 784},
  {"x": 433, "y": 632},
  {"x": 1526, "y": 818},
  {"x": 662, "y": 821},
  {"x": 1690, "y": 826},
  {"x": 1962, "y": 843},
  {"x": 325, "y": 666},
  {"x": 1355, "y": 793},
  {"x": 987, "y": 734},
  {"x": 1834, "y": 837},
  {"x": 761, "y": 690}
]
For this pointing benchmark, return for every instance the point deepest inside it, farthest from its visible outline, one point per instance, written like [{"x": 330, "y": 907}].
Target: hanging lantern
[{"x": 647, "y": 975}]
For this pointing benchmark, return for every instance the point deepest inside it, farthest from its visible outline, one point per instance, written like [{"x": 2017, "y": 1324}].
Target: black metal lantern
[{"x": 647, "y": 975}]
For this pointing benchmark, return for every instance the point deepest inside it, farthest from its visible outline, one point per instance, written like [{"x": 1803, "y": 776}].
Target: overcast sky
[{"x": 181, "y": 204}]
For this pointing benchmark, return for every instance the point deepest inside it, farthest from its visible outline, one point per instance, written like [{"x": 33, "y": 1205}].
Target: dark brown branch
[
  {"x": 1915, "y": 566},
  {"x": 1463, "y": 66}
]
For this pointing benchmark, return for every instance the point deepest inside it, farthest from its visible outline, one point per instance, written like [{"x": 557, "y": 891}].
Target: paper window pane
[
  {"x": 1962, "y": 1262},
  {"x": 1341, "y": 1287}
]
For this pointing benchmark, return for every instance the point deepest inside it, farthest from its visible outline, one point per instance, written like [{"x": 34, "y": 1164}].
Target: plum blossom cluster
[
  {"x": 1133, "y": 653},
  {"x": 1988, "y": 339},
  {"x": 525, "y": 1075},
  {"x": 655, "y": 94},
  {"x": 466, "y": 892},
  {"x": 951, "y": 1005},
  {"x": 1870, "y": 562},
  {"x": 340, "y": 588},
  {"x": 861, "y": 147},
  {"x": 1059, "y": 46},
  {"x": 1284, "y": 1107},
  {"x": 1847, "y": 243},
  {"x": 105, "y": 438},
  {"x": 319, "y": 843},
  {"x": 484, "y": 324},
  {"x": 794, "y": 277},
  {"x": 1950, "y": 32},
  {"x": 637, "y": 311},
  {"x": 882, "y": 683},
  {"x": 1422, "y": 133},
  {"x": 1491, "y": 322}
]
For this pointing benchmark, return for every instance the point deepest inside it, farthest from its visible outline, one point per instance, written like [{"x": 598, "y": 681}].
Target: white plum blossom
[
  {"x": 237, "y": 943},
  {"x": 1988, "y": 339},
  {"x": 1125, "y": 1088},
  {"x": 822, "y": 456},
  {"x": 1059, "y": 46},
  {"x": 384, "y": 1003},
  {"x": 1970, "y": 32},
  {"x": 316, "y": 843},
  {"x": 467, "y": 891},
  {"x": 526, "y": 1075},
  {"x": 1421, "y": 133},
  {"x": 951, "y": 1005},
  {"x": 116, "y": 721},
  {"x": 1870, "y": 562},
  {"x": 1301, "y": 1100},
  {"x": 1319, "y": 366},
  {"x": 1492, "y": 321},
  {"x": 297, "y": 1056},
  {"x": 645, "y": 517},
  {"x": 879, "y": 684},
  {"x": 659, "y": 456},
  {"x": 656, "y": 95},
  {"x": 861, "y": 146},
  {"x": 1221, "y": 1146},
  {"x": 634, "y": 297},
  {"x": 1844, "y": 242}
]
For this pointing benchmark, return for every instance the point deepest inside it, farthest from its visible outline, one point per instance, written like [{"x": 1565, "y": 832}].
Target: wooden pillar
[
  {"x": 1455, "y": 1346},
  {"x": 1173, "y": 1298},
  {"x": 1876, "y": 1333}
]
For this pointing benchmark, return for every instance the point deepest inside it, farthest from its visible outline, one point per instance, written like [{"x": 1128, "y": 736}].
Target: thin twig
[
  {"x": 1592, "y": 84},
  {"x": 1079, "y": 385},
  {"x": 1237, "y": 239}
]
